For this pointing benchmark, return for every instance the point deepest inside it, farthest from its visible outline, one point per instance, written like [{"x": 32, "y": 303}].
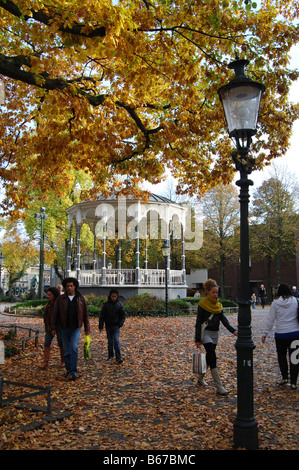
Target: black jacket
[
  {"x": 112, "y": 314},
  {"x": 60, "y": 312},
  {"x": 213, "y": 323}
]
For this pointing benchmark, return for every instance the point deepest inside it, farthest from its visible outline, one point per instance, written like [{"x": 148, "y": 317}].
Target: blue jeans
[
  {"x": 49, "y": 338},
  {"x": 113, "y": 341},
  {"x": 70, "y": 340}
]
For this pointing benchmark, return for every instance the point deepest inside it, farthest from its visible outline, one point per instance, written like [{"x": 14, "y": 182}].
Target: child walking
[{"x": 113, "y": 315}]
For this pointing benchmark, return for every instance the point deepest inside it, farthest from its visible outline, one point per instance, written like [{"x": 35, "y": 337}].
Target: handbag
[
  {"x": 87, "y": 354},
  {"x": 204, "y": 325},
  {"x": 199, "y": 363}
]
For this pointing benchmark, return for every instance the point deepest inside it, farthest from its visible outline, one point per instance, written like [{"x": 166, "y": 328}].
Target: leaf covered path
[{"x": 151, "y": 401}]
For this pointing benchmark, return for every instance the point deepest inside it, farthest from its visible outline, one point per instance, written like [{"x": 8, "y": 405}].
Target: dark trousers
[
  {"x": 113, "y": 341},
  {"x": 286, "y": 353},
  {"x": 211, "y": 354}
]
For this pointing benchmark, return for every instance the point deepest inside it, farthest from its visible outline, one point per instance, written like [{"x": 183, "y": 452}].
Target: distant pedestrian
[
  {"x": 253, "y": 300},
  {"x": 283, "y": 313},
  {"x": 70, "y": 313},
  {"x": 209, "y": 315},
  {"x": 113, "y": 315},
  {"x": 60, "y": 288},
  {"x": 295, "y": 292},
  {"x": 262, "y": 295}
]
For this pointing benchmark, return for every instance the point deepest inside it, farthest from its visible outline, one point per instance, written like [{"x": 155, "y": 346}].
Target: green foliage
[
  {"x": 94, "y": 304},
  {"x": 10, "y": 335},
  {"x": 148, "y": 305},
  {"x": 143, "y": 302},
  {"x": 10, "y": 351},
  {"x": 139, "y": 305},
  {"x": 32, "y": 303}
]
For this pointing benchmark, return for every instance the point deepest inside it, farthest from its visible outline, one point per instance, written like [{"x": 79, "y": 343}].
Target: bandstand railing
[{"x": 149, "y": 277}]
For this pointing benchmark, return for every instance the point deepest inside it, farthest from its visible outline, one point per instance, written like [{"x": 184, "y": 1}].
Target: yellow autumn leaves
[{"x": 140, "y": 98}]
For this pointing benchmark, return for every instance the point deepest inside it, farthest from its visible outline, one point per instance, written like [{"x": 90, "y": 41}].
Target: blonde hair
[{"x": 209, "y": 283}]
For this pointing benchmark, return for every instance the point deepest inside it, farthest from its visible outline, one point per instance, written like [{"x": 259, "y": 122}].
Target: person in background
[
  {"x": 295, "y": 292},
  {"x": 262, "y": 295},
  {"x": 60, "y": 288},
  {"x": 210, "y": 310},
  {"x": 283, "y": 314},
  {"x": 253, "y": 300},
  {"x": 52, "y": 294},
  {"x": 113, "y": 315}
]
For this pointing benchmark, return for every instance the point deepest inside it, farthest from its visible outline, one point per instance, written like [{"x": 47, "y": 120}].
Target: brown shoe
[{"x": 71, "y": 377}]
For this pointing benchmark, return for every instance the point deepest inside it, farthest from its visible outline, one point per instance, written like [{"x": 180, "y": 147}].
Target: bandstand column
[
  {"x": 94, "y": 261},
  {"x": 167, "y": 259},
  {"x": 145, "y": 260},
  {"x": 119, "y": 274},
  {"x": 68, "y": 258},
  {"x": 183, "y": 258},
  {"x": 104, "y": 256},
  {"x": 137, "y": 267},
  {"x": 78, "y": 253},
  {"x": 119, "y": 255}
]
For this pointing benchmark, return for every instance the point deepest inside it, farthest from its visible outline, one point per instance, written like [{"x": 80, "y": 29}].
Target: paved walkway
[{"x": 152, "y": 401}]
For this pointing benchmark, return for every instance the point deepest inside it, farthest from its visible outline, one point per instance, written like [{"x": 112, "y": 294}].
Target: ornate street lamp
[
  {"x": 166, "y": 254},
  {"x": 241, "y": 101},
  {"x": 42, "y": 216}
]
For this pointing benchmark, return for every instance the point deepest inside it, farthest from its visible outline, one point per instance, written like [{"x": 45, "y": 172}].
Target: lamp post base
[{"x": 246, "y": 434}]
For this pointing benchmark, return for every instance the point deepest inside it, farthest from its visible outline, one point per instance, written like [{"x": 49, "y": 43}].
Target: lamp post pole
[
  {"x": 241, "y": 101},
  {"x": 166, "y": 253},
  {"x": 1, "y": 264},
  {"x": 245, "y": 425},
  {"x": 42, "y": 216}
]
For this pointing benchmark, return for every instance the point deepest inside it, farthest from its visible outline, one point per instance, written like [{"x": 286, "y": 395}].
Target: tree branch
[{"x": 42, "y": 17}]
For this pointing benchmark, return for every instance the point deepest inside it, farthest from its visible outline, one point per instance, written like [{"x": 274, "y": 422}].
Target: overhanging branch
[{"x": 43, "y": 17}]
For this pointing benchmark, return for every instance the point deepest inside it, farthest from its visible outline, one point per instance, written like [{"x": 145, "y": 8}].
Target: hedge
[{"x": 138, "y": 305}]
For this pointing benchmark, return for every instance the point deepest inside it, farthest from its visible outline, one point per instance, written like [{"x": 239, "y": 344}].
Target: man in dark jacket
[
  {"x": 69, "y": 314},
  {"x": 113, "y": 315}
]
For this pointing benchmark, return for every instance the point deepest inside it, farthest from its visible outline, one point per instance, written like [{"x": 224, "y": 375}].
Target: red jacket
[{"x": 60, "y": 312}]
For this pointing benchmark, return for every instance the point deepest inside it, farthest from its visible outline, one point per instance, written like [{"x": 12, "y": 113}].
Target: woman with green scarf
[{"x": 209, "y": 315}]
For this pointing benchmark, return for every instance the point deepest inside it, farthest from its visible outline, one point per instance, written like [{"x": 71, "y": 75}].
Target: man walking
[{"x": 70, "y": 313}]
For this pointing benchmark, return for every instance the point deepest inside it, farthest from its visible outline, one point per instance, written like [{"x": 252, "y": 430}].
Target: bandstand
[{"x": 122, "y": 218}]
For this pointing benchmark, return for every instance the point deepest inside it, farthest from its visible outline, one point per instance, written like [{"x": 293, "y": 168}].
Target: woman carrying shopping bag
[{"x": 209, "y": 315}]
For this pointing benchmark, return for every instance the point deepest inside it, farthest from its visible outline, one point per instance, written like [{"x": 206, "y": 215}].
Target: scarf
[{"x": 211, "y": 305}]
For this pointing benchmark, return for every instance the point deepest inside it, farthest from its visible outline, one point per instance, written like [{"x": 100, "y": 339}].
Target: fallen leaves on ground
[{"x": 149, "y": 402}]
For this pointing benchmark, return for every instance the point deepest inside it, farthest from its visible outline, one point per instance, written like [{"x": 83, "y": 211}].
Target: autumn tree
[
  {"x": 275, "y": 221},
  {"x": 19, "y": 253},
  {"x": 129, "y": 87},
  {"x": 55, "y": 227},
  {"x": 221, "y": 226}
]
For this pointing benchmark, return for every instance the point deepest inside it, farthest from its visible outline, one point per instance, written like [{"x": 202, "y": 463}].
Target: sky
[{"x": 289, "y": 162}]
